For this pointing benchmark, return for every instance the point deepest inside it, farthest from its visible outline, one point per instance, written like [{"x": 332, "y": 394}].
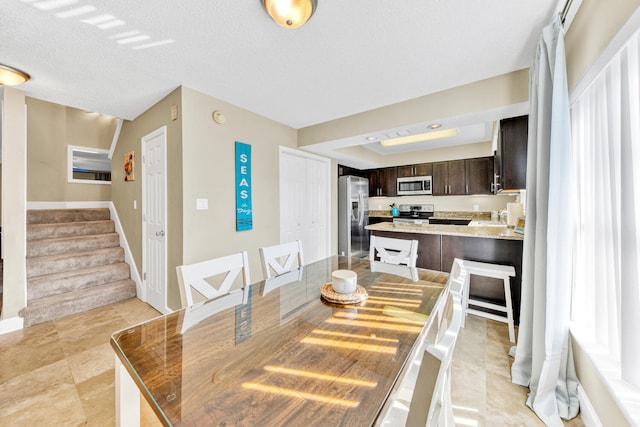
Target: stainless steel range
[{"x": 414, "y": 214}]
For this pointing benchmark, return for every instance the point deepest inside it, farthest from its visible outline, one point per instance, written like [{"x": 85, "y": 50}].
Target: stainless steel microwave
[{"x": 414, "y": 185}]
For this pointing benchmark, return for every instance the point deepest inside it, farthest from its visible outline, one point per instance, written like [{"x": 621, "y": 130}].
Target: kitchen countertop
[{"x": 474, "y": 229}]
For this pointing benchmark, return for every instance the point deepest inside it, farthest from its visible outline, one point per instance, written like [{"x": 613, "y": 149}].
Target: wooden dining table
[{"x": 277, "y": 353}]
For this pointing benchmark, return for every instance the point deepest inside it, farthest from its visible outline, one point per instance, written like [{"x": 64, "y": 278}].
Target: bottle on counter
[{"x": 503, "y": 216}]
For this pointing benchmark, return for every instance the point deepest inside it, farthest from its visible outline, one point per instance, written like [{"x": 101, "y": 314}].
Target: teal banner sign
[{"x": 244, "y": 212}]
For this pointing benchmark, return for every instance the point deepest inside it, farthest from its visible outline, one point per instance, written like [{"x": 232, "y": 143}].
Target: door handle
[{"x": 160, "y": 233}]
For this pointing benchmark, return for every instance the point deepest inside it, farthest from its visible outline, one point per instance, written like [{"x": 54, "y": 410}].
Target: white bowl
[{"x": 344, "y": 281}]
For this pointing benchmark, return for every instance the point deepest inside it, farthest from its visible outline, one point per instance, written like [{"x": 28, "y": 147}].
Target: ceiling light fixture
[
  {"x": 435, "y": 126},
  {"x": 371, "y": 138},
  {"x": 290, "y": 13},
  {"x": 421, "y": 137},
  {"x": 11, "y": 76}
]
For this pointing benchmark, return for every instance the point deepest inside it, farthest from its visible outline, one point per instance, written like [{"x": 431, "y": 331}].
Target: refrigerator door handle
[{"x": 360, "y": 209}]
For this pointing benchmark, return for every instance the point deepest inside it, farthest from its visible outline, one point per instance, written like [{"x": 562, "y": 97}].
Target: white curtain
[
  {"x": 606, "y": 126},
  {"x": 543, "y": 358}
]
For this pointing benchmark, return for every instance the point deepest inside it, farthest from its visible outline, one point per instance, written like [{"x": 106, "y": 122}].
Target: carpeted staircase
[{"x": 74, "y": 263}]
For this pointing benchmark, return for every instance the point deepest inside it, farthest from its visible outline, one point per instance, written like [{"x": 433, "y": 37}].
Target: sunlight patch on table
[{"x": 300, "y": 394}]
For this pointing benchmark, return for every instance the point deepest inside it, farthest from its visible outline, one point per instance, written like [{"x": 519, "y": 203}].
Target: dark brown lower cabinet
[{"x": 436, "y": 252}]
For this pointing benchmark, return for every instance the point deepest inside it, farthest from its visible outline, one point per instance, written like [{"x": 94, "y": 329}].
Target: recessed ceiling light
[
  {"x": 435, "y": 126},
  {"x": 371, "y": 138}
]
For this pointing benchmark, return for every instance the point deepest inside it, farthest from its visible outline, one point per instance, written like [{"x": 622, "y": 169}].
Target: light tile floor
[
  {"x": 481, "y": 388},
  {"x": 62, "y": 373}
]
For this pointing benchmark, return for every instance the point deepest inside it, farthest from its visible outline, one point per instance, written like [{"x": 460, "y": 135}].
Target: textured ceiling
[{"x": 120, "y": 57}]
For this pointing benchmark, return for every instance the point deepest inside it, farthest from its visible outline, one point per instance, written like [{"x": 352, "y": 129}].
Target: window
[
  {"x": 606, "y": 148},
  {"x": 88, "y": 165}
]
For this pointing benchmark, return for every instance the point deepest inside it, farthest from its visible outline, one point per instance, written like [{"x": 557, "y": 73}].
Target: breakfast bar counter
[
  {"x": 471, "y": 230},
  {"x": 439, "y": 245}
]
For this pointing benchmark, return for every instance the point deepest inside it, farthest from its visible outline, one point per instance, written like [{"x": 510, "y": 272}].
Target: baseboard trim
[
  {"x": 67, "y": 205},
  {"x": 128, "y": 256},
  {"x": 587, "y": 413},
  {"x": 10, "y": 325}
]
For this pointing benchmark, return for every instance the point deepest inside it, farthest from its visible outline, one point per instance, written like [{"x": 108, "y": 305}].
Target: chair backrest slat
[
  {"x": 193, "y": 277},
  {"x": 282, "y": 258},
  {"x": 393, "y": 251}
]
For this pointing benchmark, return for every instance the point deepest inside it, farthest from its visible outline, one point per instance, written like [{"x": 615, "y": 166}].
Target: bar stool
[{"x": 495, "y": 271}]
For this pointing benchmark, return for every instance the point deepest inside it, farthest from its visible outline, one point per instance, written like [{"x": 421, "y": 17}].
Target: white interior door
[
  {"x": 292, "y": 185},
  {"x": 154, "y": 214},
  {"x": 305, "y": 202},
  {"x": 316, "y": 204}
]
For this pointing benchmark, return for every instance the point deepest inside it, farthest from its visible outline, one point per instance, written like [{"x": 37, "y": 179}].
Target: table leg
[{"x": 127, "y": 398}]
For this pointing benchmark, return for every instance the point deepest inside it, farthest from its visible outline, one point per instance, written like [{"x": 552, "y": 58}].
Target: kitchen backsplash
[{"x": 447, "y": 203}]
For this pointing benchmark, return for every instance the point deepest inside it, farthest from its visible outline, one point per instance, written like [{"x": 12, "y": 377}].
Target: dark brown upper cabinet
[
  {"x": 479, "y": 175},
  {"x": 382, "y": 182},
  {"x": 511, "y": 154},
  {"x": 421, "y": 169},
  {"x": 449, "y": 178},
  {"x": 346, "y": 170}
]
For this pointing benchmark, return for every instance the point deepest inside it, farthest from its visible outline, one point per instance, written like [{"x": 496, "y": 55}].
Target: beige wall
[
  {"x": 124, "y": 193},
  {"x": 14, "y": 156},
  {"x": 496, "y": 92},
  {"x": 592, "y": 29},
  {"x": 50, "y": 129},
  {"x": 0, "y": 186},
  {"x": 209, "y": 173}
]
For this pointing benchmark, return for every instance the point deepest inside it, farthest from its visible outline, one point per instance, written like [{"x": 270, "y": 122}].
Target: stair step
[
  {"x": 69, "y": 281},
  {"x": 57, "y": 306},
  {"x": 65, "y": 245},
  {"x": 69, "y": 229},
  {"x": 48, "y": 216},
  {"x": 40, "y": 266}
]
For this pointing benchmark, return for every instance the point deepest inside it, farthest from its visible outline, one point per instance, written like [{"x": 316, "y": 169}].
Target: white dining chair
[
  {"x": 457, "y": 280},
  {"x": 212, "y": 278},
  {"x": 282, "y": 258},
  {"x": 393, "y": 251},
  {"x": 423, "y": 397}
]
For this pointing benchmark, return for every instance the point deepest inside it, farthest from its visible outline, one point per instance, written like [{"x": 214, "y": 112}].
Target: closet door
[
  {"x": 315, "y": 234},
  {"x": 292, "y": 193},
  {"x": 305, "y": 202}
]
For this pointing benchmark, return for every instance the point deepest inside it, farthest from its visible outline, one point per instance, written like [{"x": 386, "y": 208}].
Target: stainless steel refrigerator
[{"x": 353, "y": 216}]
